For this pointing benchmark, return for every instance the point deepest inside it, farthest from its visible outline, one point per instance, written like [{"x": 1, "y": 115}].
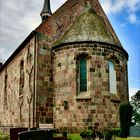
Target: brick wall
[
  {"x": 44, "y": 83},
  {"x": 96, "y": 108},
  {"x": 16, "y": 111}
]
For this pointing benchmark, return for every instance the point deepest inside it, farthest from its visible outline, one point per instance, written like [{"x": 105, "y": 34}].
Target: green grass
[
  {"x": 70, "y": 137},
  {"x": 4, "y": 136},
  {"x": 74, "y": 137},
  {"x": 77, "y": 137},
  {"x": 127, "y": 138}
]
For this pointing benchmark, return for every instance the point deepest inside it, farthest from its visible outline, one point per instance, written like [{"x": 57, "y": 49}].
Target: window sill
[
  {"x": 83, "y": 95},
  {"x": 115, "y": 98}
]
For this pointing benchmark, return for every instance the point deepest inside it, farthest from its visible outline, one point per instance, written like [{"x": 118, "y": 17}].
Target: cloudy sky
[{"x": 19, "y": 18}]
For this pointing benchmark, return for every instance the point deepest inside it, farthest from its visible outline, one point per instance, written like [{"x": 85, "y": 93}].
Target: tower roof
[
  {"x": 46, "y": 11},
  {"x": 88, "y": 27}
]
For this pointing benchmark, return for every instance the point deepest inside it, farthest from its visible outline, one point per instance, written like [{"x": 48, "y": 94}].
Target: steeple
[{"x": 46, "y": 11}]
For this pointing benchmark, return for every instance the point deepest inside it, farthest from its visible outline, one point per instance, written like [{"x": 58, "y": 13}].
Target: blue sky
[
  {"x": 125, "y": 19},
  {"x": 18, "y": 19}
]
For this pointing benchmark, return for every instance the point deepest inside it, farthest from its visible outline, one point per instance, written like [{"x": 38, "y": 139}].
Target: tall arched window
[
  {"x": 5, "y": 89},
  {"x": 112, "y": 77},
  {"x": 21, "y": 84},
  {"x": 82, "y": 74}
]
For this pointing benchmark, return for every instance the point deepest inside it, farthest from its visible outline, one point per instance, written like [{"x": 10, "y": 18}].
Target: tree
[
  {"x": 125, "y": 111},
  {"x": 135, "y": 102}
]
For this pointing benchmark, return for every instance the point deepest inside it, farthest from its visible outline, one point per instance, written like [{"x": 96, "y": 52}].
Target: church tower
[{"x": 46, "y": 11}]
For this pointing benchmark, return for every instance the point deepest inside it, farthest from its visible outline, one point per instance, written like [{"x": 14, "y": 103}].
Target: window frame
[
  {"x": 112, "y": 77},
  {"x": 5, "y": 88},
  {"x": 84, "y": 78},
  {"x": 21, "y": 79}
]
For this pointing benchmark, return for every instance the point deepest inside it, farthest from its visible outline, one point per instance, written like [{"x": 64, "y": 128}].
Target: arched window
[
  {"x": 112, "y": 77},
  {"x": 5, "y": 89},
  {"x": 82, "y": 74},
  {"x": 21, "y": 84}
]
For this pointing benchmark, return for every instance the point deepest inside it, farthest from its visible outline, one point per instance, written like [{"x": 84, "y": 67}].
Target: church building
[{"x": 71, "y": 71}]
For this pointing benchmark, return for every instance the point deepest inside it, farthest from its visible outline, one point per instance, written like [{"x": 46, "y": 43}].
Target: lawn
[
  {"x": 74, "y": 137},
  {"x": 70, "y": 137},
  {"x": 4, "y": 136},
  {"x": 77, "y": 137},
  {"x": 127, "y": 138}
]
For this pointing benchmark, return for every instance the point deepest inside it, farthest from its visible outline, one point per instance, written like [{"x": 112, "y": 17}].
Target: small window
[
  {"x": 21, "y": 84},
  {"x": 83, "y": 74},
  {"x": 112, "y": 77},
  {"x": 5, "y": 90}
]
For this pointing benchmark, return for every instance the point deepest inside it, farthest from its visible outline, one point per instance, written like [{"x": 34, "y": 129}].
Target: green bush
[
  {"x": 87, "y": 134},
  {"x": 65, "y": 134},
  {"x": 116, "y": 132},
  {"x": 98, "y": 134},
  {"x": 91, "y": 135},
  {"x": 126, "y": 111},
  {"x": 107, "y": 134},
  {"x": 4, "y": 136}
]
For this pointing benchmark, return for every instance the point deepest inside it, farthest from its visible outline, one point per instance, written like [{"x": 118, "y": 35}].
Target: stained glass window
[{"x": 83, "y": 73}]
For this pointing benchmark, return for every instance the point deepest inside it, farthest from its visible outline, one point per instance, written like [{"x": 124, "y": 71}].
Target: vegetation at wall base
[
  {"x": 70, "y": 137},
  {"x": 135, "y": 102},
  {"x": 4, "y": 136},
  {"x": 77, "y": 137},
  {"x": 74, "y": 137},
  {"x": 125, "y": 111},
  {"x": 105, "y": 135}
]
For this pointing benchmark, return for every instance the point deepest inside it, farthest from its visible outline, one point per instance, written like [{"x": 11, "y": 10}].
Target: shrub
[
  {"x": 98, "y": 135},
  {"x": 4, "y": 137},
  {"x": 126, "y": 111},
  {"x": 116, "y": 132},
  {"x": 87, "y": 134},
  {"x": 105, "y": 135},
  {"x": 91, "y": 135},
  {"x": 108, "y": 134},
  {"x": 65, "y": 134}
]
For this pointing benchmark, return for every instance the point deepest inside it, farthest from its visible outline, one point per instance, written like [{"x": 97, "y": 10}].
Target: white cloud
[
  {"x": 133, "y": 19},
  {"x": 17, "y": 20},
  {"x": 2, "y": 50},
  {"x": 56, "y": 4},
  {"x": 106, "y": 4},
  {"x": 133, "y": 5},
  {"x": 117, "y": 6},
  {"x": 132, "y": 91}
]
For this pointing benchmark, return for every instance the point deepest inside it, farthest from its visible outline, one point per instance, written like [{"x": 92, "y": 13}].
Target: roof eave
[{"x": 93, "y": 42}]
